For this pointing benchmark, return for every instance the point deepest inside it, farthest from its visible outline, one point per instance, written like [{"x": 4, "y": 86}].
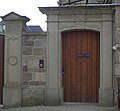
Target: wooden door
[
  {"x": 81, "y": 66},
  {"x": 1, "y": 67}
]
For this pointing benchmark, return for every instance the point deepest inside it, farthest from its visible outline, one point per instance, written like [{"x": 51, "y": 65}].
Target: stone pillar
[
  {"x": 53, "y": 91},
  {"x": 14, "y": 24},
  {"x": 106, "y": 77}
]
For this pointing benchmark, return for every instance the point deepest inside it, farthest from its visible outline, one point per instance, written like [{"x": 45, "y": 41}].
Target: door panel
[{"x": 81, "y": 63}]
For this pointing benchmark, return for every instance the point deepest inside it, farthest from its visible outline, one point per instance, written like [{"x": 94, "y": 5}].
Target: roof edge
[{"x": 62, "y": 9}]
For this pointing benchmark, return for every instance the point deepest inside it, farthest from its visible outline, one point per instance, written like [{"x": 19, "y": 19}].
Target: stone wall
[
  {"x": 33, "y": 71},
  {"x": 116, "y": 53}
]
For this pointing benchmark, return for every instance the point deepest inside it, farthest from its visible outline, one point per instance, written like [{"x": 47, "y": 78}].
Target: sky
[{"x": 27, "y": 8}]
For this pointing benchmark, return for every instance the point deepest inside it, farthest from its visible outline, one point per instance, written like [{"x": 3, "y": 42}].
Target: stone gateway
[
  {"x": 87, "y": 20},
  {"x": 76, "y": 60}
]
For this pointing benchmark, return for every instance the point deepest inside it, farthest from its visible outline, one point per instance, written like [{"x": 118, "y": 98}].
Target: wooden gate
[
  {"x": 81, "y": 66},
  {"x": 1, "y": 67}
]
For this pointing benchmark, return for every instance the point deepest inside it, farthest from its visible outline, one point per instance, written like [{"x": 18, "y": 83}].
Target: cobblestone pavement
[{"x": 65, "y": 107}]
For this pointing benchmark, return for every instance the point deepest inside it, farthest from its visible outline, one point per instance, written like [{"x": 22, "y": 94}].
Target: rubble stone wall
[
  {"x": 33, "y": 75},
  {"x": 116, "y": 54}
]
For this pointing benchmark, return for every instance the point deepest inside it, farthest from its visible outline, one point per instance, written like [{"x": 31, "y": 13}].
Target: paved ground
[{"x": 65, "y": 107}]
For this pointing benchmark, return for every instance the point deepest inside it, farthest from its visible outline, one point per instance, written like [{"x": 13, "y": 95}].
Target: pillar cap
[{"x": 12, "y": 16}]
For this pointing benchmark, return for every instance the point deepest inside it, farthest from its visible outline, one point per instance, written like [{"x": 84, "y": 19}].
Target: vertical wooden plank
[{"x": 79, "y": 45}]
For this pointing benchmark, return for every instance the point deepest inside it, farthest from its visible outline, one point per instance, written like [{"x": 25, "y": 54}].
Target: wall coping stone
[{"x": 34, "y": 33}]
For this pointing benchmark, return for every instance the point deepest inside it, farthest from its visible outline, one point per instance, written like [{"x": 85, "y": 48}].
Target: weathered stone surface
[
  {"x": 13, "y": 28},
  {"x": 33, "y": 63},
  {"x": 14, "y": 25},
  {"x": 28, "y": 43},
  {"x": 33, "y": 69},
  {"x": 116, "y": 57},
  {"x": 117, "y": 69},
  {"x": 35, "y": 83},
  {"x": 38, "y": 51},
  {"x": 27, "y": 76},
  {"x": 42, "y": 83},
  {"x": 33, "y": 96},
  {"x": 25, "y": 83},
  {"x": 117, "y": 35},
  {"x": 39, "y": 43},
  {"x": 29, "y": 38},
  {"x": 40, "y": 77},
  {"x": 25, "y": 68},
  {"x": 117, "y": 20},
  {"x": 37, "y": 70},
  {"x": 42, "y": 69},
  {"x": 33, "y": 37},
  {"x": 33, "y": 50},
  {"x": 27, "y": 50}
]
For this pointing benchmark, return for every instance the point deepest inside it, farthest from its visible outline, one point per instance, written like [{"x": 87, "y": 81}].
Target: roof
[{"x": 34, "y": 28}]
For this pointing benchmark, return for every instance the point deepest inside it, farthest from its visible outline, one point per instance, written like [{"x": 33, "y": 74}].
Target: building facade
[{"x": 76, "y": 60}]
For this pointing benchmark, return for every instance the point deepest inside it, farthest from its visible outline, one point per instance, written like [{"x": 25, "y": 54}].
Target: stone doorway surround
[{"x": 59, "y": 19}]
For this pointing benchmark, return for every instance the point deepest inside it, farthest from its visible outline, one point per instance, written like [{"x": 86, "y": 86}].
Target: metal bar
[
  {"x": 86, "y": 2},
  {"x": 84, "y": 55},
  {"x": 106, "y": 2},
  {"x": 69, "y": 2}
]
